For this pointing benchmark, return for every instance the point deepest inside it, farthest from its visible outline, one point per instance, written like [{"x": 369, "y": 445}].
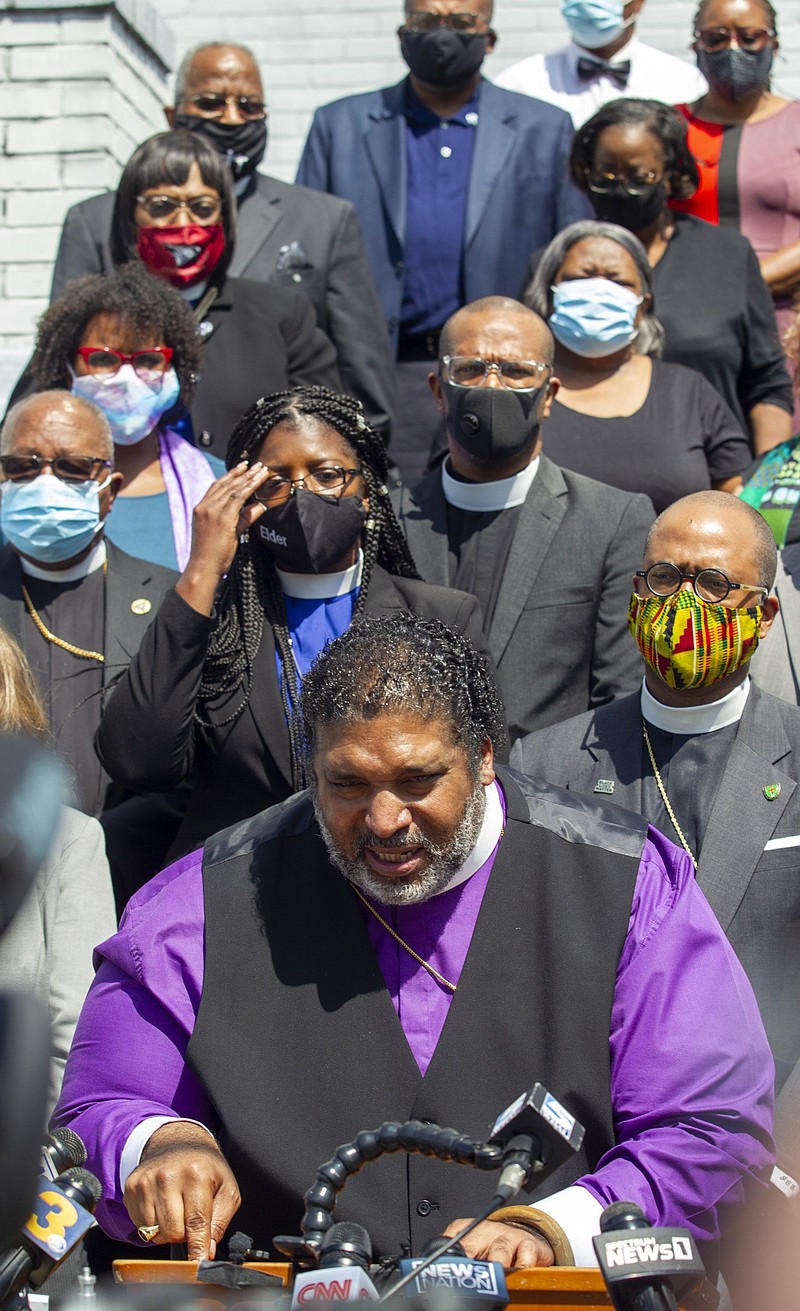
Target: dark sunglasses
[{"x": 69, "y": 468}]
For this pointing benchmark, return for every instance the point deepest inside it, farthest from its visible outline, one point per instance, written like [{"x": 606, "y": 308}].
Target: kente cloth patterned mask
[{"x": 689, "y": 642}]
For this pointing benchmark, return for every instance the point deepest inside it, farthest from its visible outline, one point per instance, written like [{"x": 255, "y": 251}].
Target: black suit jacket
[
  {"x": 752, "y": 884},
  {"x": 290, "y": 237},
  {"x": 558, "y": 637},
  {"x": 259, "y": 339},
  {"x": 138, "y": 829},
  {"x": 149, "y": 739}
]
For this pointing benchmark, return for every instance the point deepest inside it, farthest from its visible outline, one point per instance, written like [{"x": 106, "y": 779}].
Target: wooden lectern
[{"x": 569, "y": 1288}]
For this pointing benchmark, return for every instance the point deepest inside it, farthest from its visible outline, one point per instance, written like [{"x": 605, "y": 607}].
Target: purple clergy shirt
[{"x": 691, "y": 1070}]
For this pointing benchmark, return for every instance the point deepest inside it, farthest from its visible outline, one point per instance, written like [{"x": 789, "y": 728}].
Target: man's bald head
[
  {"x": 716, "y": 524},
  {"x": 62, "y": 412},
  {"x": 498, "y": 319}
]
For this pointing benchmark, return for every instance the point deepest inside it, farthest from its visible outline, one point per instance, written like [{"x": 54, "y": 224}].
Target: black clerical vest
[{"x": 298, "y": 1045}]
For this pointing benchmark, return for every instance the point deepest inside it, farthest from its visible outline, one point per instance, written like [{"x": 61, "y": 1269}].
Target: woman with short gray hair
[{"x": 621, "y": 415}]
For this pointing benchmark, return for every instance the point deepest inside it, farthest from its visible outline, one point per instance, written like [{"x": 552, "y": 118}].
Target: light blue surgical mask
[
  {"x": 594, "y": 317},
  {"x": 132, "y": 405},
  {"x": 49, "y": 520},
  {"x": 595, "y": 23}
]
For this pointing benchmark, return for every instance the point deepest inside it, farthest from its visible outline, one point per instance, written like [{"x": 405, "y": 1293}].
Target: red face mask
[{"x": 182, "y": 255}]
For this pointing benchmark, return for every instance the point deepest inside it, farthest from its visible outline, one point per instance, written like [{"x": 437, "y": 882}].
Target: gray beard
[{"x": 443, "y": 861}]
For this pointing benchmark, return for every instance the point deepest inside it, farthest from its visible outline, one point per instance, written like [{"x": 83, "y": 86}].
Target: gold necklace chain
[
  {"x": 425, "y": 964},
  {"x": 664, "y": 796},
  {"x": 59, "y": 641}
]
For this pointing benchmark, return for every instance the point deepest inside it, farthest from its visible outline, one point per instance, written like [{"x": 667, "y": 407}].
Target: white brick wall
[{"x": 79, "y": 89}]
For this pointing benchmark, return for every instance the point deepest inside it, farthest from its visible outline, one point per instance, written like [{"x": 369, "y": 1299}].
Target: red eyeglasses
[{"x": 104, "y": 362}]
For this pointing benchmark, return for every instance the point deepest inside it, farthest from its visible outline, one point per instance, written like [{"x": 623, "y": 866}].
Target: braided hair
[{"x": 252, "y": 592}]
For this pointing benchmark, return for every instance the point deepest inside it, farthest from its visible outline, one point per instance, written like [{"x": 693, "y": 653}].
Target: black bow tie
[{"x": 589, "y": 69}]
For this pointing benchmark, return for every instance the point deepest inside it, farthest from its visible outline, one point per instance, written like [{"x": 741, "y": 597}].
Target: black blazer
[
  {"x": 558, "y": 638},
  {"x": 290, "y": 237},
  {"x": 753, "y": 887},
  {"x": 139, "y": 829},
  {"x": 148, "y": 737},
  {"x": 259, "y": 339}
]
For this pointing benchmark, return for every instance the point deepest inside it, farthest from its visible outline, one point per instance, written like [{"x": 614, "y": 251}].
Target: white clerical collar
[
  {"x": 321, "y": 587},
  {"x": 488, "y": 838},
  {"x": 622, "y": 56},
  {"x": 93, "y": 561},
  {"x": 687, "y": 720},
  {"x": 486, "y": 497}
]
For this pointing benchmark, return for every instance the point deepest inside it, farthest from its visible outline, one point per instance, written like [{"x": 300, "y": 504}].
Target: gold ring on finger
[{"x": 148, "y": 1232}]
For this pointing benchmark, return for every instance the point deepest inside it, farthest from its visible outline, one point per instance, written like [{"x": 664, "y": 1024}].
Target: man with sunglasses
[
  {"x": 700, "y": 751},
  {"x": 77, "y": 605},
  {"x": 547, "y": 552},
  {"x": 284, "y": 235},
  {"x": 455, "y": 182}
]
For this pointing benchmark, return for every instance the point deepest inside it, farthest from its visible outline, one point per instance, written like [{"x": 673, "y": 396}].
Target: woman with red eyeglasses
[
  {"x": 746, "y": 140},
  {"x": 128, "y": 342}
]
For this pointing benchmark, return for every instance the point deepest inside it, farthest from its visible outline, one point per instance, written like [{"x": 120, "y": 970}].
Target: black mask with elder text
[
  {"x": 308, "y": 533},
  {"x": 443, "y": 58},
  {"x": 492, "y": 423}
]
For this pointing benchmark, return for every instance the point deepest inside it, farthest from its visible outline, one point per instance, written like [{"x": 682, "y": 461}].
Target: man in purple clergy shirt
[{"x": 419, "y": 936}]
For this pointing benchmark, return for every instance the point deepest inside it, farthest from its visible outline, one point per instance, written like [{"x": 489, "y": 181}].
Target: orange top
[{"x": 705, "y": 142}]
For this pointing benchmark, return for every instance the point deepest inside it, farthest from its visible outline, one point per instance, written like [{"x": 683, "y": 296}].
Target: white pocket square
[{"x": 776, "y": 844}]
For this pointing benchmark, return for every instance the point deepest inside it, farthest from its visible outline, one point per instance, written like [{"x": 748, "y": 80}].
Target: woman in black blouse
[
  {"x": 713, "y": 303},
  {"x": 621, "y": 415}
]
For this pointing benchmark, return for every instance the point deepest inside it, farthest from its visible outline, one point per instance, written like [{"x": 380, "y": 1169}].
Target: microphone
[
  {"x": 61, "y": 1217},
  {"x": 62, "y": 1148},
  {"x": 536, "y": 1135},
  {"x": 645, "y": 1269},
  {"x": 343, "y": 1273},
  {"x": 451, "y": 1278}
]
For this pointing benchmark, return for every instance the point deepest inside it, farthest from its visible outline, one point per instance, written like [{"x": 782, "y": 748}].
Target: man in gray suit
[
  {"x": 286, "y": 235},
  {"x": 547, "y": 552},
  {"x": 700, "y": 751}
]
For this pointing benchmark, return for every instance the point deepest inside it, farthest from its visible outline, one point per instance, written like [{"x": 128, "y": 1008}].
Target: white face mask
[
  {"x": 132, "y": 405},
  {"x": 594, "y": 317},
  {"x": 50, "y": 520},
  {"x": 595, "y": 23}
]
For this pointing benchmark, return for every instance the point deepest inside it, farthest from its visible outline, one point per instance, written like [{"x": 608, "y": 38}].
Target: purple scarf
[{"x": 187, "y": 477}]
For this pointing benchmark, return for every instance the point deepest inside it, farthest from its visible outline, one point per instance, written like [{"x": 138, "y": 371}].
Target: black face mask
[
  {"x": 736, "y": 74},
  {"x": 242, "y": 144},
  {"x": 443, "y": 58},
  {"x": 632, "y": 212},
  {"x": 492, "y": 423},
  {"x": 308, "y": 533}
]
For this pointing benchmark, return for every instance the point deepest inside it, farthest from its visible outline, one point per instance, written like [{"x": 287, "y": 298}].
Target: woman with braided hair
[{"x": 293, "y": 544}]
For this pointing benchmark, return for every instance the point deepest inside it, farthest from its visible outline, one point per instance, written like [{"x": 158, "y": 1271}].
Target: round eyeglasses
[
  {"x": 69, "y": 468},
  {"x": 471, "y": 371},
  {"x": 162, "y": 209},
  {"x": 211, "y": 105},
  {"x": 665, "y": 579},
  {"x": 104, "y": 362},
  {"x": 327, "y": 480},
  {"x": 636, "y": 184}
]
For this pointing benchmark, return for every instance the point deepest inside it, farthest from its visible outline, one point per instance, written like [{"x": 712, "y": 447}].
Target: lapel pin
[
  {"x": 141, "y": 606},
  {"x": 772, "y": 790},
  {"x": 606, "y": 786}
]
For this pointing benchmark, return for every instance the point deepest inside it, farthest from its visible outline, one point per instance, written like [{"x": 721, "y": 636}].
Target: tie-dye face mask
[{"x": 689, "y": 642}]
